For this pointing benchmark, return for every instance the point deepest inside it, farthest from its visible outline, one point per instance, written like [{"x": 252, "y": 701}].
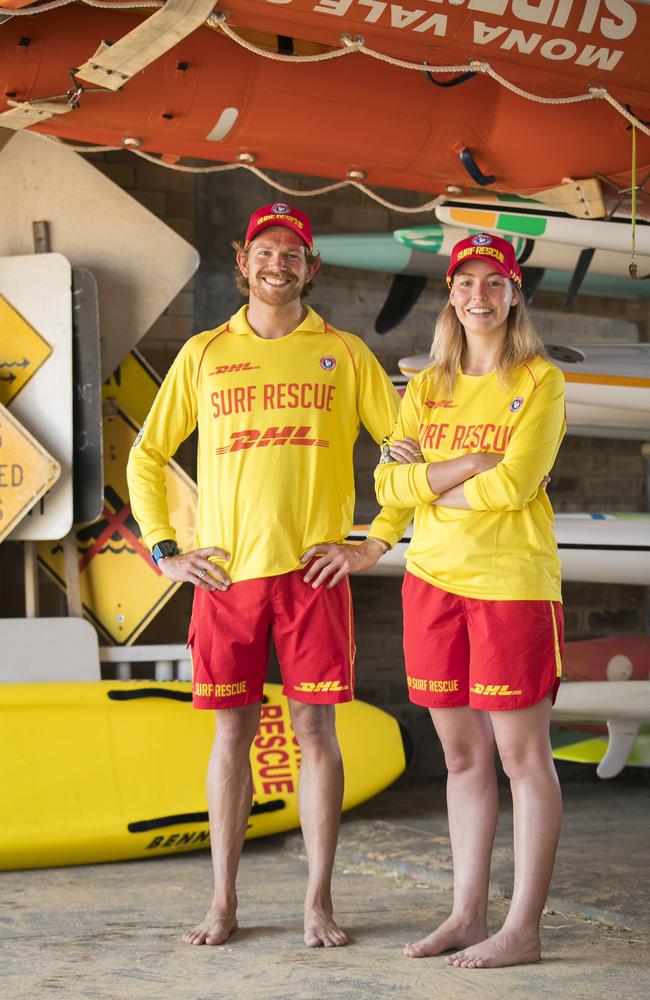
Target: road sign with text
[
  {"x": 39, "y": 288},
  {"x": 27, "y": 471}
]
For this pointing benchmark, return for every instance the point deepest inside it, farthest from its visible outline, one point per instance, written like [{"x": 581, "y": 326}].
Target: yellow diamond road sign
[
  {"x": 27, "y": 471},
  {"x": 121, "y": 589},
  {"x": 22, "y": 351}
]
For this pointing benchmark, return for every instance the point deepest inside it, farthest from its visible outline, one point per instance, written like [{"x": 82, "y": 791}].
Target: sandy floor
[{"x": 113, "y": 931}]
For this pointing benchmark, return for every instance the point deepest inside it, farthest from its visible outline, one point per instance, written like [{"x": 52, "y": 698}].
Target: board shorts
[
  {"x": 490, "y": 655},
  {"x": 313, "y": 633}
]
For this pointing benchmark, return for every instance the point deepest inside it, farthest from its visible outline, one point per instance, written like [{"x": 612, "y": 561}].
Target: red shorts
[
  {"x": 313, "y": 633},
  {"x": 490, "y": 655}
]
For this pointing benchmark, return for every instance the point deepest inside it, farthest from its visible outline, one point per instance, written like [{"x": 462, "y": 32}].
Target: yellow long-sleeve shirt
[
  {"x": 504, "y": 547},
  {"x": 277, "y": 424}
]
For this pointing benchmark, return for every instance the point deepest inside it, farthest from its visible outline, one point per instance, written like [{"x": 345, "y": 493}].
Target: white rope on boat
[
  {"x": 53, "y": 4},
  {"x": 271, "y": 181}
]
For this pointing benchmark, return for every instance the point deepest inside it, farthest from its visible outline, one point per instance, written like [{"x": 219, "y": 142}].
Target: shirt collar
[{"x": 312, "y": 323}]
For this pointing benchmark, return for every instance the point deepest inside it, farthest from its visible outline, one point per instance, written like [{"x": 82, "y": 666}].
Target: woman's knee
[
  {"x": 521, "y": 761},
  {"x": 462, "y": 757}
]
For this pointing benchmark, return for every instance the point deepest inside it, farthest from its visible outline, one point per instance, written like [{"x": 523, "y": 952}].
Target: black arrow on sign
[{"x": 15, "y": 364}]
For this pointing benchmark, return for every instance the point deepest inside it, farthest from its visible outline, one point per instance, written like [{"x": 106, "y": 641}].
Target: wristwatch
[
  {"x": 162, "y": 550},
  {"x": 385, "y": 453}
]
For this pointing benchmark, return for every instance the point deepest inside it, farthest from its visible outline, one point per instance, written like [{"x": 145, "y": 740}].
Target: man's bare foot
[
  {"x": 321, "y": 929},
  {"x": 215, "y": 928},
  {"x": 452, "y": 933},
  {"x": 503, "y": 948}
]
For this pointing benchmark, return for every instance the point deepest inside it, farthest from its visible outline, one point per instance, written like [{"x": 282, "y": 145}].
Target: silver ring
[{"x": 201, "y": 574}]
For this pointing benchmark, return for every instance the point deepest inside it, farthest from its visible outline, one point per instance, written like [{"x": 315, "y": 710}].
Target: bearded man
[{"x": 278, "y": 395}]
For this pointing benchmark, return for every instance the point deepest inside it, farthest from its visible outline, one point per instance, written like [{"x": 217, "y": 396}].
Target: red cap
[
  {"x": 497, "y": 251},
  {"x": 280, "y": 214}
]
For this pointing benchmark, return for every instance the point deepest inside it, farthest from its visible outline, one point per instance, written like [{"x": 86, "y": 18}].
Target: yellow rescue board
[{"x": 109, "y": 770}]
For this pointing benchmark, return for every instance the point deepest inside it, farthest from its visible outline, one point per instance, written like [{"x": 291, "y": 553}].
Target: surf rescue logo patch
[
  {"x": 516, "y": 404},
  {"x": 328, "y": 363},
  {"x": 138, "y": 437},
  {"x": 482, "y": 240},
  {"x": 280, "y": 208}
]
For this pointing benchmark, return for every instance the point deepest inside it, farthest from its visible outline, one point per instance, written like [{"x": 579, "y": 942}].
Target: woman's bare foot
[
  {"x": 215, "y": 928},
  {"x": 452, "y": 933},
  {"x": 503, "y": 948},
  {"x": 321, "y": 929}
]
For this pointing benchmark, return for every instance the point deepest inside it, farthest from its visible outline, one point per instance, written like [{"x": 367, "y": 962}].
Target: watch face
[{"x": 162, "y": 550}]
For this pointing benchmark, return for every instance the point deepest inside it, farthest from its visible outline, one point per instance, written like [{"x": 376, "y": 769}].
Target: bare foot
[
  {"x": 452, "y": 933},
  {"x": 503, "y": 948},
  {"x": 321, "y": 929},
  {"x": 215, "y": 928}
]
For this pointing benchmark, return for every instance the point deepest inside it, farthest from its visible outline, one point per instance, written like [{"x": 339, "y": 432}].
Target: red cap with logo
[
  {"x": 483, "y": 246},
  {"x": 280, "y": 214}
]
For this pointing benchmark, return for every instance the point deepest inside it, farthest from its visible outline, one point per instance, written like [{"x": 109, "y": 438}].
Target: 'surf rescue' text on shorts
[
  {"x": 313, "y": 633},
  {"x": 492, "y": 655}
]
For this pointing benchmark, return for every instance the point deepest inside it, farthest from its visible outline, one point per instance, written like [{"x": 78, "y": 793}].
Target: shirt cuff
[{"x": 472, "y": 494}]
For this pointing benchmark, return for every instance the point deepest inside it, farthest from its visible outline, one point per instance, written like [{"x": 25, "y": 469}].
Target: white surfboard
[
  {"x": 593, "y": 548},
  {"x": 531, "y": 251},
  {"x": 492, "y": 213},
  {"x": 607, "y": 387},
  {"x": 623, "y": 705}
]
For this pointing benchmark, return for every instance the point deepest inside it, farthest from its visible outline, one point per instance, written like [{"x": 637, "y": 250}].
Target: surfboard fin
[
  {"x": 532, "y": 278},
  {"x": 403, "y": 293},
  {"x": 622, "y": 736},
  {"x": 582, "y": 266}
]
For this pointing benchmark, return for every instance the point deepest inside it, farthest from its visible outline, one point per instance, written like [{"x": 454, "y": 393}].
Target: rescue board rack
[{"x": 171, "y": 661}]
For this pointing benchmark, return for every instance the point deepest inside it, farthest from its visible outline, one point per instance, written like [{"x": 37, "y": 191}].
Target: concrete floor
[{"x": 112, "y": 932}]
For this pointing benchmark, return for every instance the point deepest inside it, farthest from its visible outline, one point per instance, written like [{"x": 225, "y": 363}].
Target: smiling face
[
  {"x": 275, "y": 265},
  {"x": 482, "y": 298}
]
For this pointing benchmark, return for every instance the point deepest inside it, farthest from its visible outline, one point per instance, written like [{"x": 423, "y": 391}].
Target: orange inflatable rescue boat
[{"x": 211, "y": 92}]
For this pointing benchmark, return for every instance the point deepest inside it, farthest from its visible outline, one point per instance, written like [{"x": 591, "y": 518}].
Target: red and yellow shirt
[
  {"x": 277, "y": 424},
  {"x": 503, "y": 548}
]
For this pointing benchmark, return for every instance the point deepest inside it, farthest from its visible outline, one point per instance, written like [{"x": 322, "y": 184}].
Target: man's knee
[
  {"x": 314, "y": 725},
  {"x": 236, "y": 727}
]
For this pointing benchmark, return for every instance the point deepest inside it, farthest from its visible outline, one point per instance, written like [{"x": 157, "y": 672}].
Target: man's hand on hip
[
  {"x": 333, "y": 561},
  {"x": 195, "y": 567}
]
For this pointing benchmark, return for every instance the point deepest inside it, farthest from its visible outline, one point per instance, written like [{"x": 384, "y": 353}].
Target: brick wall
[{"x": 590, "y": 474}]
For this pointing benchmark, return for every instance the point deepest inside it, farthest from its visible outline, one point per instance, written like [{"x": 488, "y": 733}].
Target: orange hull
[{"x": 355, "y": 113}]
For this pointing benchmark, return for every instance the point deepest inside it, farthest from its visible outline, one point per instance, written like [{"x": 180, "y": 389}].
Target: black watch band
[{"x": 162, "y": 550}]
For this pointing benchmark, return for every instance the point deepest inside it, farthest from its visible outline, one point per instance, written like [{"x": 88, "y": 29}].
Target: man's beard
[{"x": 276, "y": 296}]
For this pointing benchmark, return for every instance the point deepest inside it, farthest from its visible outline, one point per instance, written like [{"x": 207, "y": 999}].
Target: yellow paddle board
[{"x": 109, "y": 770}]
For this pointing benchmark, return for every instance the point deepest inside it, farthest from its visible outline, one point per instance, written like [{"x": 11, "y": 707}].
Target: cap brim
[{"x": 275, "y": 224}]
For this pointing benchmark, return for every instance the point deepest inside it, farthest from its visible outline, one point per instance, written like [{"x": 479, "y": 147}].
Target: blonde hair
[{"x": 521, "y": 343}]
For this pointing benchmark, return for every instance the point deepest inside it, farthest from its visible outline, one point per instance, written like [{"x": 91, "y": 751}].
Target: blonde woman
[{"x": 477, "y": 434}]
